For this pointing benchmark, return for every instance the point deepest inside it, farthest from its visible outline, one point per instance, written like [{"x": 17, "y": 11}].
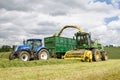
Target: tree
[{"x": 5, "y": 48}]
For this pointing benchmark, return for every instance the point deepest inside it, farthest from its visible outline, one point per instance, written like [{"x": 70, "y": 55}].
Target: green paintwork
[
  {"x": 59, "y": 45},
  {"x": 84, "y": 41}
]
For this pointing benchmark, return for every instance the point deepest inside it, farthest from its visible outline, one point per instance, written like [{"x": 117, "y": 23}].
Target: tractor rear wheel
[
  {"x": 24, "y": 56},
  {"x": 96, "y": 55},
  {"x": 104, "y": 56},
  {"x": 11, "y": 56},
  {"x": 43, "y": 54}
]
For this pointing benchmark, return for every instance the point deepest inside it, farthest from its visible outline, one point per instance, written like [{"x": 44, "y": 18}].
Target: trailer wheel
[
  {"x": 104, "y": 56},
  {"x": 24, "y": 56},
  {"x": 96, "y": 55},
  {"x": 43, "y": 54},
  {"x": 11, "y": 56}
]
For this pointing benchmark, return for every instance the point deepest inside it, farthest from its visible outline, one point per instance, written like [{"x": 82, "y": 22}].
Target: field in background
[
  {"x": 59, "y": 69},
  {"x": 113, "y": 52}
]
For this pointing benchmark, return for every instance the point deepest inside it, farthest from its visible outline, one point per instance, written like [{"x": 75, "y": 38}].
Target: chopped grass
[
  {"x": 4, "y": 63},
  {"x": 103, "y": 70}
]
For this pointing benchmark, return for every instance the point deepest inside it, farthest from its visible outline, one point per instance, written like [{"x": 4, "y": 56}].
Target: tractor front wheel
[
  {"x": 11, "y": 56},
  {"x": 24, "y": 56},
  {"x": 43, "y": 54}
]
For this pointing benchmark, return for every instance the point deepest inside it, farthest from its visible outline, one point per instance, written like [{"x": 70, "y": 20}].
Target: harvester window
[{"x": 80, "y": 40}]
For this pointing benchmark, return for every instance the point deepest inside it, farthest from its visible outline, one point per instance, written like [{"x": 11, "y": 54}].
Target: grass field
[
  {"x": 113, "y": 52},
  {"x": 59, "y": 69},
  {"x": 65, "y": 70}
]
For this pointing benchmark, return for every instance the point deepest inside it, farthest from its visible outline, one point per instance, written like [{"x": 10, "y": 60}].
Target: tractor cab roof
[{"x": 34, "y": 39}]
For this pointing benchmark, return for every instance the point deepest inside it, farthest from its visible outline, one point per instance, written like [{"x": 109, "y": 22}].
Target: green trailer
[{"x": 57, "y": 46}]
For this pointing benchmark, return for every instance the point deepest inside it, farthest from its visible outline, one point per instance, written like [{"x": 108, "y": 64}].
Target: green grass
[
  {"x": 103, "y": 70},
  {"x": 5, "y": 63},
  {"x": 59, "y": 69},
  {"x": 4, "y": 54},
  {"x": 113, "y": 52}
]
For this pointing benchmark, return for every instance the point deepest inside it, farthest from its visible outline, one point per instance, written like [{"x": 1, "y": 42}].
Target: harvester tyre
[
  {"x": 104, "y": 56},
  {"x": 96, "y": 55},
  {"x": 24, "y": 56},
  {"x": 88, "y": 55},
  {"x": 43, "y": 54},
  {"x": 11, "y": 56}
]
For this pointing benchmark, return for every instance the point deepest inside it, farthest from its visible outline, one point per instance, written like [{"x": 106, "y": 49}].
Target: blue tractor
[{"x": 32, "y": 49}]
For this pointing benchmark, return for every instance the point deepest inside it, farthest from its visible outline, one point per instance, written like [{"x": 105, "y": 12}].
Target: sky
[{"x": 23, "y": 19}]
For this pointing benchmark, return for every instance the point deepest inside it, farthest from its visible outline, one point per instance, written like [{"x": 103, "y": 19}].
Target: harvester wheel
[
  {"x": 96, "y": 55},
  {"x": 11, "y": 56},
  {"x": 88, "y": 55},
  {"x": 43, "y": 54},
  {"x": 104, "y": 56},
  {"x": 24, "y": 56}
]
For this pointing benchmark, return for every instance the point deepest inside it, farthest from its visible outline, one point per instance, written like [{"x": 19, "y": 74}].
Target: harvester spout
[{"x": 69, "y": 26}]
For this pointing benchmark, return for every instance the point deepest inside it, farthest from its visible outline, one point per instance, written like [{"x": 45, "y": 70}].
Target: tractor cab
[
  {"x": 83, "y": 40},
  {"x": 33, "y": 44}
]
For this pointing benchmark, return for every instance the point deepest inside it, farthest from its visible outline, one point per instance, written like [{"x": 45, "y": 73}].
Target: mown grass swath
[{"x": 103, "y": 70}]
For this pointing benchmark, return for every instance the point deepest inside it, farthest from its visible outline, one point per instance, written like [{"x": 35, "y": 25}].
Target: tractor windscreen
[
  {"x": 83, "y": 40},
  {"x": 34, "y": 43}
]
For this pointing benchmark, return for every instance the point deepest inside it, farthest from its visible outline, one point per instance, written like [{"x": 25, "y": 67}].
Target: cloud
[
  {"x": 114, "y": 25},
  {"x": 14, "y": 5},
  {"x": 42, "y": 18}
]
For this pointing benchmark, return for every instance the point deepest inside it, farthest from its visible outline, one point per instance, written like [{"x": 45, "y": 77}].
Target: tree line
[{"x": 5, "y": 48}]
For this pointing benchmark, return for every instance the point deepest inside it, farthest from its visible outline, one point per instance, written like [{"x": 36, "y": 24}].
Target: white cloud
[
  {"x": 99, "y": 7},
  {"x": 39, "y": 19},
  {"x": 114, "y": 25}
]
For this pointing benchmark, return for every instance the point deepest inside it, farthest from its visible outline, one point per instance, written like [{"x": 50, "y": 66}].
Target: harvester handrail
[{"x": 69, "y": 26}]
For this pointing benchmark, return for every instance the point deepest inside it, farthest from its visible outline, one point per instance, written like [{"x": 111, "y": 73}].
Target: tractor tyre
[
  {"x": 95, "y": 55},
  {"x": 11, "y": 56},
  {"x": 24, "y": 56},
  {"x": 104, "y": 56},
  {"x": 43, "y": 54}
]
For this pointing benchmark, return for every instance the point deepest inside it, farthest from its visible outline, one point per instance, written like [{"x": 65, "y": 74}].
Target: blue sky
[
  {"x": 110, "y": 19},
  {"x": 22, "y": 19},
  {"x": 106, "y": 1}
]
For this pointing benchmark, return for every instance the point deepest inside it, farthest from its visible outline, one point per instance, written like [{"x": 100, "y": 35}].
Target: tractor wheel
[
  {"x": 24, "y": 56},
  {"x": 96, "y": 55},
  {"x": 43, "y": 54},
  {"x": 11, "y": 56},
  {"x": 104, "y": 56}
]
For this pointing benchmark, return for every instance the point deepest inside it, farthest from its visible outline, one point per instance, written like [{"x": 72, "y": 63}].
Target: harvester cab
[
  {"x": 31, "y": 49},
  {"x": 83, "y": 40}
]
